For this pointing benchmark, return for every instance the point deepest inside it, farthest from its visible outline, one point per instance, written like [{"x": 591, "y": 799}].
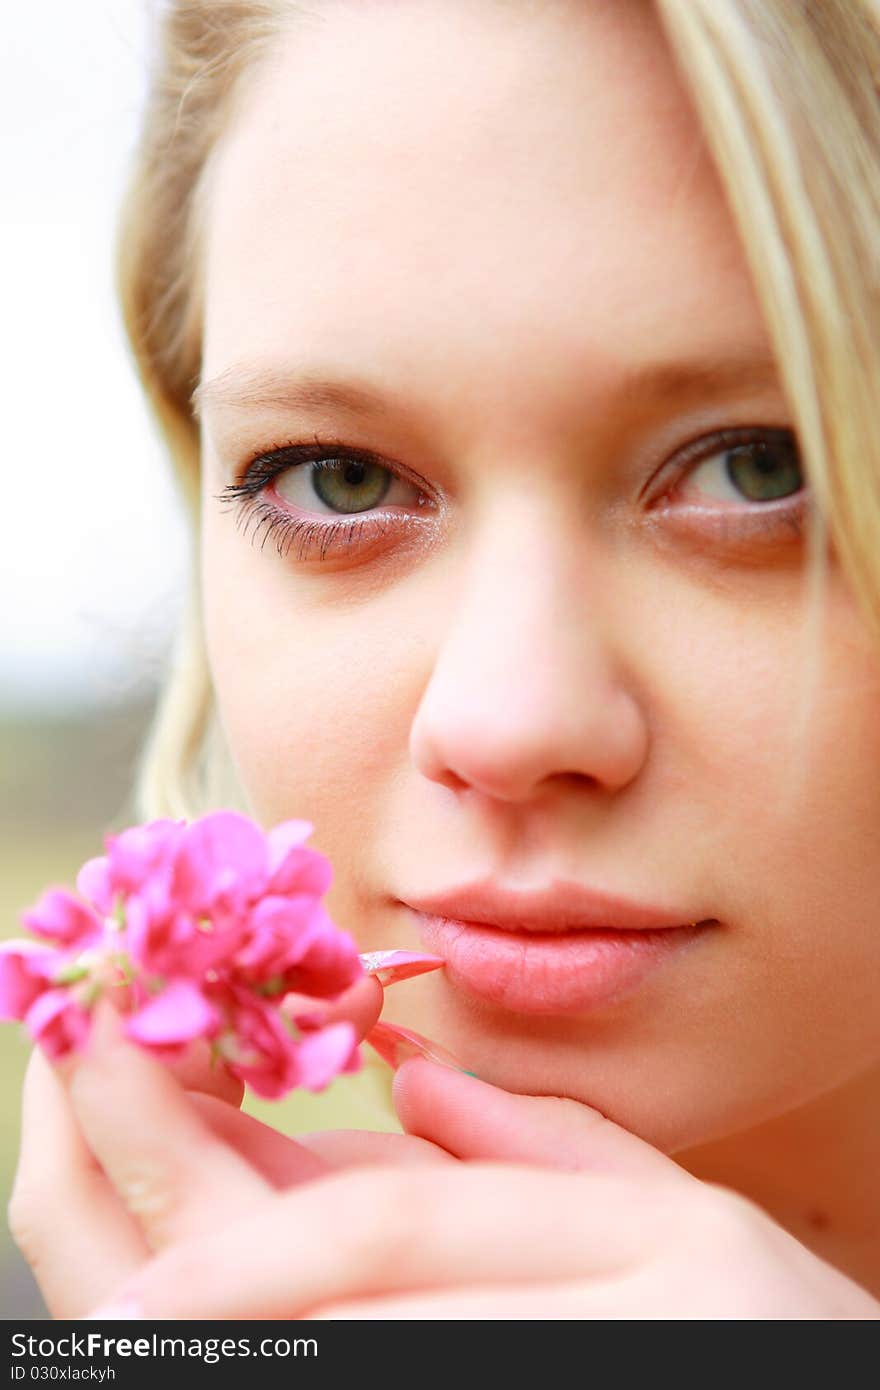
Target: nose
[{"x": 524, "y": 687}]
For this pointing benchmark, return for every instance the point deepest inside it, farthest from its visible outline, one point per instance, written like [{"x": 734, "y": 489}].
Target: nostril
[{"x": 451, "y": 779}]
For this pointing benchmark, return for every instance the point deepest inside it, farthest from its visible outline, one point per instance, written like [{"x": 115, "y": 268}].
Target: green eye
[
  {"x": 348, "y": 485},
  {"x": 763, "y": 471}
]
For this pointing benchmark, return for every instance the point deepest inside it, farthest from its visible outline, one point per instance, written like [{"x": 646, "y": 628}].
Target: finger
[
  {"x": 559, "y": 1303},
  {"x": 199, "y": 1070},
  {"x": 358, "y": 1148},
  {"x": 282, "y": 1161},
  {"x": 473, "y": 1119},
  {"x": 395, "y": 1044},
  {"x": 378, "y": 1231},
  {"x": 172, "y": 1171},
  {"x": 360, "y": 1005},
  {"x": 65, "y": 1215}
]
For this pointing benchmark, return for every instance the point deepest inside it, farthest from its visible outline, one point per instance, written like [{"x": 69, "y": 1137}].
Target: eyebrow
[{"x": 244, "y": 386}]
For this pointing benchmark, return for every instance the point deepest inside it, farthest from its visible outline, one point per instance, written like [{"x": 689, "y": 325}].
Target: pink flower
[
  {"x": 325, "y": 1052},
  {"x": 221, "y": 866},
  {"x": 208, "y": 925},
  {"x": 294, "y": 942},
  {"x": 26, "y": 969},
  {"x": 61, "y": 917},
  {"x": 139, "y": 858},
  {"x": 263, "y": 1053},
  {"x": 292, "y": 868},
  {"x": 175, "y": 1015}
]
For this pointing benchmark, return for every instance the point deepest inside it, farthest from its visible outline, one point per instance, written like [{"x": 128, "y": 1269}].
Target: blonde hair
[{"x": 789, "y": 97}]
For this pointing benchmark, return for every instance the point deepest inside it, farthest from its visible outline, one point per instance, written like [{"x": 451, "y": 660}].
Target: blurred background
[{"x": 92, "y": 542}]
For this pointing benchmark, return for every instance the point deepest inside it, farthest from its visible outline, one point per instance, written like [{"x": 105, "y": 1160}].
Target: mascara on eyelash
[
  {"x": 287, "y": 529},
  {"x": 269, "y": 463},
  {"x": 345, "y": 529},
  {"x": 261, "y": 474}
]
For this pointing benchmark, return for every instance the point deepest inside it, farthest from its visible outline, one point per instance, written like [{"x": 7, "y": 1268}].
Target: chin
[
  {"x": 669, "y": 1121},
  {"x": 675, "y": 1093}
]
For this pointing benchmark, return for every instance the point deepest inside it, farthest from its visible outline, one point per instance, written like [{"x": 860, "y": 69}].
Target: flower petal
[
  {"x": 139, "y": 855},
  {"x": 179, "y": 1013},
  {"x": 268, "y": 1061},
  {"x": 330, "y": 963},
  {"x": 61, "y": 917},
  {"x": 295, "y": 868},
  {"x": 26, "y": 968},
  {"x": 279, "y": 933},
  {"x": 58, "y": 1023},
  {"x": 93, "y": 883},
  {"x": 284, "y": 837},
  {"x": 222, "y": 861},
  {"x": 324, "y": 1054}
]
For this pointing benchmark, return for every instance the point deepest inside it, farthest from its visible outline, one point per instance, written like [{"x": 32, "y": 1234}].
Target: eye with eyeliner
[
  {"x": 319, "y": 533},
  {"x": 779, "y": 518},
  {"x": 314, "y": 532}
]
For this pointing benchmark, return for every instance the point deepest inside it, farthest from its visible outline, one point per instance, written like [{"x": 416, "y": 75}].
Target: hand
[
  {"x": 556, "y": 1214},
  {"x": 122, "y": 1155}
]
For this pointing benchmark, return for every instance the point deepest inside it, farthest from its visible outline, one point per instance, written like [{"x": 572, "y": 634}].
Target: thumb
[
  {"x": 360, "y": 1005},
  {"x": 475, "y": 1120}
]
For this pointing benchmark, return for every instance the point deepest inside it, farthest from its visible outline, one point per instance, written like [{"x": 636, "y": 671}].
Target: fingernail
[
  {"x": 396, "y": 1045},
  {"x": 390, "y": 967},
  {"x": 125, "y": 1308}
]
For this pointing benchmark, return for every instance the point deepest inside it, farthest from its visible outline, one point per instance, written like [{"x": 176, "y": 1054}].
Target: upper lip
[{"x": 557, "y": 906}]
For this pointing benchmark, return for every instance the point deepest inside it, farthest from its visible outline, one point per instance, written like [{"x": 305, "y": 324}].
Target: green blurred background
[{"x": 66, "y": 782}]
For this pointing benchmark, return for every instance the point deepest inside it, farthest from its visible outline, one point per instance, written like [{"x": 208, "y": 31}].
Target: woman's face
[{"x": 529, "y": 639}]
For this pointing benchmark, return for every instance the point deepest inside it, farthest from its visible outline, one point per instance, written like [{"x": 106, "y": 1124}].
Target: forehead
[{"x": 470, "y": 182}]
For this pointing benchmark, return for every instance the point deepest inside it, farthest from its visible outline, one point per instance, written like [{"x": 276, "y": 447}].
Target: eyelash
[
  {"x": 309, "y": 531},
  {"x": 760, "y": 519},
  {"x": 286, "y": 527}
]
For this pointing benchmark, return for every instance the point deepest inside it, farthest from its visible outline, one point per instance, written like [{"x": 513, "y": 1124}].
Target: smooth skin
[{"x": 562, "y": 653}]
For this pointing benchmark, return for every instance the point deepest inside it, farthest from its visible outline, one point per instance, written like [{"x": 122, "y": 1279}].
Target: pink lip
[
  {"x": 558, "y": 906},
  {"x": 562, "y": 949},
  {"x": 552, "y": 973}
]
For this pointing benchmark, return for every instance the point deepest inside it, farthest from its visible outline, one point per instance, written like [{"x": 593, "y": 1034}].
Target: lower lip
[{"x": 550, "y": 972}]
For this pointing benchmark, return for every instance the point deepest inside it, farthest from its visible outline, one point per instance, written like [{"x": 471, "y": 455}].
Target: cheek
[
  {"x": 770, "y": 805},
  {"x": 797, "y": 772},
  {"x": 788, "y": 805},
  {"x": 779, "y": 777},
  {"x": 313, "y": 705}
]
